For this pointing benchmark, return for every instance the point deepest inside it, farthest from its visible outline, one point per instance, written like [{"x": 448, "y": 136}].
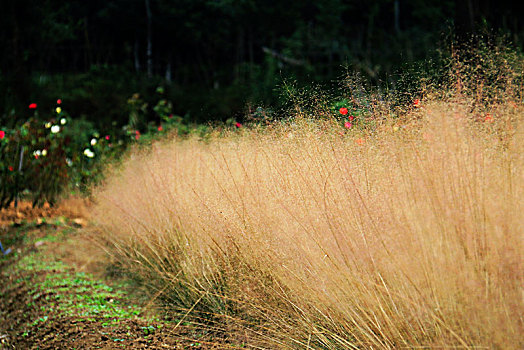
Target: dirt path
[{"x": 53, "y": 293}]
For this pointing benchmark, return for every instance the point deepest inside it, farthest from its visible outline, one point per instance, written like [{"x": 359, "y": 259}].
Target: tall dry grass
[{"x": 298, "y": 237}]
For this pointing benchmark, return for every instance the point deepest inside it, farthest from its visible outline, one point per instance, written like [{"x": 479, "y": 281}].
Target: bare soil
[{"x": 55, "y": 266}]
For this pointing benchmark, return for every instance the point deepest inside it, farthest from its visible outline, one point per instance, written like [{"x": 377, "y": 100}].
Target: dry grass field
[
  {"x": 303, "y": 234},
  {"x": 298, "y": 237}
]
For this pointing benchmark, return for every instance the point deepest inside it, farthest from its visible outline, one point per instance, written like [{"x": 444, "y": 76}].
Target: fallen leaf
[{"x": 80, "y": 222}]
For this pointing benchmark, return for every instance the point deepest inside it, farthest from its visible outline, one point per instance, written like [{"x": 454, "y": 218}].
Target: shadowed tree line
[{"x": 216, "y": 57}]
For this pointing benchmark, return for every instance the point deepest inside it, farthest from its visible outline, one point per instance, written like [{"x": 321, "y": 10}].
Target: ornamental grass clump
[
  {"x": 298, "y": 236},
  {"x": 404, "y": 230}
]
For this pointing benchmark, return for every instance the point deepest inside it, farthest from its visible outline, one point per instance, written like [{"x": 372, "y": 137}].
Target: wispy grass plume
[{"x": 303, "y": 235}]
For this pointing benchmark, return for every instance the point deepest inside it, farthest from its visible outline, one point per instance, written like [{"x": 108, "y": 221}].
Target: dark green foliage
[
  {"x": 53, "y": 152},
  {"x": 23, "y": 169},
  {"x": 215, "y": 57}
]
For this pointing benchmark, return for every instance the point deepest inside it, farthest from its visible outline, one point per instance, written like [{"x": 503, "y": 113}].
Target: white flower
[
  {"x": 88, "y": 153},
  {"x": 93, "y": 142},
  {"x": 63, "y": 121},
  {"x": 55, "y": 129},
  {"x": 69, "y": 162},
  {"x": 37, "y": 153},
  {"x": 44, "y": 152}
]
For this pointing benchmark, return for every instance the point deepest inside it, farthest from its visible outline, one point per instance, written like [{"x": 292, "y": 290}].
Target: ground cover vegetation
[
  {"x": 366, "y": 219},
  {"x": 59, "y": 290}
]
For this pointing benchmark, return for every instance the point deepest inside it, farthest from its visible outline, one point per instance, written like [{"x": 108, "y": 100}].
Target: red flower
[
  {"x": 238, "y": 125},
  {"x": 11, "y": 168},
  {"x": 2, "y": 134},
  {"x": 59, "y": 102},
  {"x": 107, "y": 137},
  {"x": 348, "y": 125},
  {"x": 160, "y": 128},
  {"x": 36, "y": 156},
  {"x": 343, "y": 111},
  {"x": 32, "y": 106},
  {"x": 137, "y": 135},
  {"x": 351, "y": 118},
  {"x": 416, "y": 103},
  {"x": 488, "y": 118}
]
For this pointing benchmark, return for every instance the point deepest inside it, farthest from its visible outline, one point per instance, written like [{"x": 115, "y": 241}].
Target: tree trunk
[
  {"x": 168, "y": 71},
  {"x": 373, "y": 11},
  {"x": 136, "y": 56},
  {"x": 471, "y": 12},
  {"x": 397, "y": 16},
  {"x": 149, "y": 50},
  {"x": 88, "y": 56},
  {"x": 239, "y": 53}
]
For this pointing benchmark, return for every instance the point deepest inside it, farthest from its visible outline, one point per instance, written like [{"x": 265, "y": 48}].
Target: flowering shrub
[
  {"x": 44, "y": 156},
  {"x": 40, "y": 158},
  {"x": 32, "y": 159},
  {"x": 165, "y": 120},
  {"x": 349, "y": 115}
]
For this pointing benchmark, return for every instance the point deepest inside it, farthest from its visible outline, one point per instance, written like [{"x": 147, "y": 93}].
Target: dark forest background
[{"x": 218, "y": 58}]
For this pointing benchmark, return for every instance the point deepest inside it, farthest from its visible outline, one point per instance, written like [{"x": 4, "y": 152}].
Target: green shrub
[{"x": 52, "y": 152}]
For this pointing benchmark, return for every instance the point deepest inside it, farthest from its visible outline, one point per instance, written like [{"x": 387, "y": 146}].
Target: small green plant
[{"x": 348, "y": 114}]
